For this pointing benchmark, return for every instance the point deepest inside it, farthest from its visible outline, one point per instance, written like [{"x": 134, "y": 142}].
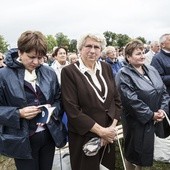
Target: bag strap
[
  {"x": 103, "y": 154},
  {"x": 121, "y": 153},
  {"x": 167, "y": 118}
]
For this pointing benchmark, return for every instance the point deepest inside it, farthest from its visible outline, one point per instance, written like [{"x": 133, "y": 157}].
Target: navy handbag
[{"x": 58, "y": 131}]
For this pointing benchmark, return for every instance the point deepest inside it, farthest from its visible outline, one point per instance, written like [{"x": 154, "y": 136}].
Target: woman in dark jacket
[
  {"x": 145, "y": 100},
  {"x": 24, "y": 85}
]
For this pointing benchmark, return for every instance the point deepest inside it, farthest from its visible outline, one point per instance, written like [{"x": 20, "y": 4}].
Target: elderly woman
[
  {"x": 145, "y": 100},
  {"x": 111, "y": 58},
  {"x": 92, "y": 104},
  {"x": 24, "y": 85}
]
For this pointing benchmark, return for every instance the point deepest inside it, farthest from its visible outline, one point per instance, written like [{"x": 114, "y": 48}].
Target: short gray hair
[
  {"x": 98, "y": 37},
  {"x": 162, "y": 39}
]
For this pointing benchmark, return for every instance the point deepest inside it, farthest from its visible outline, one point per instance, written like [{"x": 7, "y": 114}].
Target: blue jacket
[{"x": 116, "y": 66}]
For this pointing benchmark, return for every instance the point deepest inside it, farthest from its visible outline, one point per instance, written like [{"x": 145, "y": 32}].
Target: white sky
[{"x": 146, "y": 18}]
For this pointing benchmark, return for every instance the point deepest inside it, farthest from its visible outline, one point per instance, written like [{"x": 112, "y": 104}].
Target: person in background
[
  {"x": 24, "y": 85},
  {"x": 121, "y": 56},
  {"x": 44, "y": 60},
  {"x": 92, "y": 104},
  {"x": 161, "y": 61},
  {"x": 2, "y": 61},
  {"x": 154, "y": 49},
  {"x": 50, "y": 59},
  {"x": 102, "y": 57},
  {"x": 146, "y": 48},
  {"x": 72, "y": 58},
  {"x": 60, "y": 61},
  {"x": 145, "y": 101},
  {"x": 111, "y": 58}
]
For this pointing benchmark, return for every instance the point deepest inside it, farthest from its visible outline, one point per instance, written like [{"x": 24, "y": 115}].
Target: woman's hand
[
  {"x": 159, "y": 115},
  {"x": 29, "y": 112},
  {"x": 108, "y": 134}
]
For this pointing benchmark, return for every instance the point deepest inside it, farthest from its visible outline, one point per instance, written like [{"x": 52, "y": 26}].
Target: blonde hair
[
  {"x": 108, "y": 49},
  {"x": 72, "y": 56}
]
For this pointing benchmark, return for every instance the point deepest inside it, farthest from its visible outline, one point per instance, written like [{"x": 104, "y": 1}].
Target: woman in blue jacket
[{"x": 24, "y": 85}]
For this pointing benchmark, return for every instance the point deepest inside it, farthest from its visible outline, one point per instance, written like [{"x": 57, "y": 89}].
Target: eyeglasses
[{"x": 89, "y": 47}]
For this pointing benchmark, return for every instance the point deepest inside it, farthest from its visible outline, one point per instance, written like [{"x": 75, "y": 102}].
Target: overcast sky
[{"x": 146, "y": 18}]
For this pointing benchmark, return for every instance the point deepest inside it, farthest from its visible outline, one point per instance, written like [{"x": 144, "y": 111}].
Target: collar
[
  {"x": 153, "y": 52},
  {"x": 166, "y": 51},
  {"x": 56, "y": 64},
  {"x": 84, "y": 69},
  {"x": 30, "y": 77},
  {"x": 109, "y": 60}
]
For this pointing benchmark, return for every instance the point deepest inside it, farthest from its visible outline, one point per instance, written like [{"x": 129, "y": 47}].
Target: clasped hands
[
  {"x": 108, "y": 135},
  {"x": 159, "y": 115}
]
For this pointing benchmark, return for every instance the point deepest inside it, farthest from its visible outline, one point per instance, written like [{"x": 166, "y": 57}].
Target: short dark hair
[
  {"x": 32, "y": 40},
  {"x": 131, "y": 46},
  {"x": 57, "y": 49}
]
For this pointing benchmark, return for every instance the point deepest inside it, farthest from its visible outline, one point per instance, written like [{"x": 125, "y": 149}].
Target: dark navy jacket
[
  {"x": 140, "y": 99},
  {"x": 161, "y": 61},
  {"x": 14, "y": 131}
]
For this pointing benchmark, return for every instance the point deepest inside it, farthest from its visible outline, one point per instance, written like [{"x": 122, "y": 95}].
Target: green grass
[
  {"x": 8, "y": 164},
  {"x": 156, "y": 165}
]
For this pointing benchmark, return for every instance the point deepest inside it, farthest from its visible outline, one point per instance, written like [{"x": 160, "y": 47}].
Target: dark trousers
[{"x": 43, "y": 149}]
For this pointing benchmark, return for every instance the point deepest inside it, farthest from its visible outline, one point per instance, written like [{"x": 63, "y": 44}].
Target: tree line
[{"x": 112, "y": 39}]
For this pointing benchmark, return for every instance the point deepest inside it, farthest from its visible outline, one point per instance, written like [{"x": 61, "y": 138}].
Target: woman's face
[
  {"x": 137, "y": 58},
  {"x": 30, "y": 60},
  {"x": 90, "y": 51},
  {"x": 61, "y": 55},
  {"x": 112, "y": 53},
  {"x": 73, "y": 58}
]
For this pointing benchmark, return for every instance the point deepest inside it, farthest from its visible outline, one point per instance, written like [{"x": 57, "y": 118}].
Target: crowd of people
[{"x": 92, "y": 91}]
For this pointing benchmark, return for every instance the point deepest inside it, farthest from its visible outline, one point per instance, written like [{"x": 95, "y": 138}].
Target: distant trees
[
  {"x": 73, "y": 45},
  {"x": 110, "y": 38},
  {"x": 142, "y": 39},
  {"x": 51, "y": 43},
  {"x": 59, "y": 39},
  {"x": 3, "y": 44},
  {"x": 117, "y": 40},
  {"x": 62, "y": 40}
]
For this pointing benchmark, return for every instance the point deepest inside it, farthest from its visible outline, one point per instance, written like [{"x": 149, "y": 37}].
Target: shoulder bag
[
  {"x": 162, "y": 146},
  {"x": 58, "y": 131}
]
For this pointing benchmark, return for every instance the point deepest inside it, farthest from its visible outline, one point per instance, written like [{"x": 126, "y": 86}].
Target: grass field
[
  {"x": 8, "y": 164},
  {"x": 156, "y": 165}
]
